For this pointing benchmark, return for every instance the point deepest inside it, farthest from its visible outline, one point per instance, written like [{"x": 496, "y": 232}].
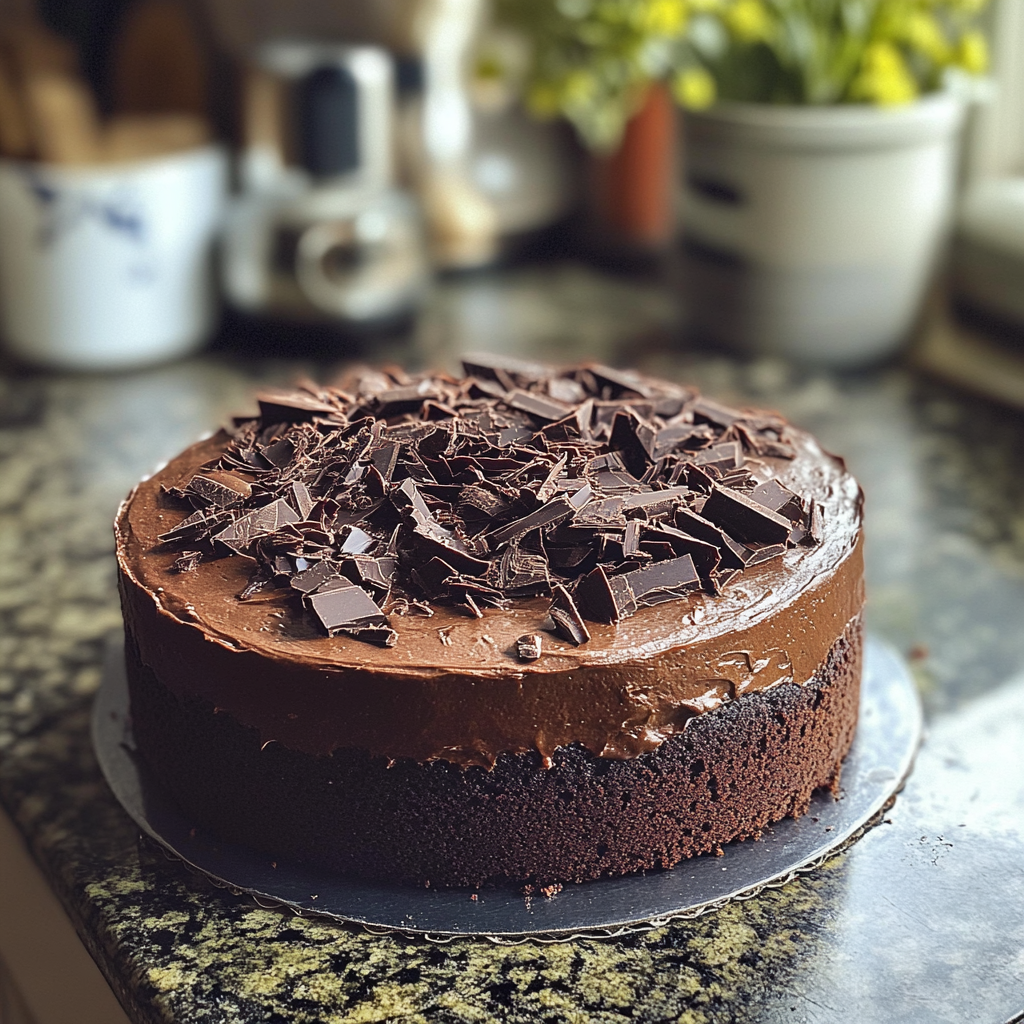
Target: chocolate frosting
[{"x": 453, "y": 687}]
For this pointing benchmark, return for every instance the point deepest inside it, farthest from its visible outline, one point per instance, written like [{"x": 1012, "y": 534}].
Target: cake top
[{"x": 600, "y": 490}]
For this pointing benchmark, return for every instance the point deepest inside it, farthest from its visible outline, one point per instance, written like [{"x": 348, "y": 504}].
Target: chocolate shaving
[
  {"x": 565, "y": 615},
  {"x": 187, "y": 561},
  {"x": 528, "y": 646},
  {"x": 601, "y": 488}
]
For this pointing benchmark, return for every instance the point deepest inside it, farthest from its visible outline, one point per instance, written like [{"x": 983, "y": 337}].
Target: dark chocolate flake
[
  {"x": 187, "y": 561},
  {"x": 342, "y": 607},
  {"x": 555, "y": 511},
  {"x": 536, "y": 405},
  {"x": 605, "y": 599},
  {"x": 744, "y": 518},
  {"x": 779, "y": 498},
  {"x": 664, "y": 581},
  {"x": 634, "y": 440},
  {"x": 278, "y": 406},
  {"x": 565, "y": 615},
  {"x": 310, "y": 579},
  {"x": 209, "y": 491}
]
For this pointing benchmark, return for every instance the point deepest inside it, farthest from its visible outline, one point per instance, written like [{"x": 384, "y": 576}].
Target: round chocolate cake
[{"x": 524, "y": 623}]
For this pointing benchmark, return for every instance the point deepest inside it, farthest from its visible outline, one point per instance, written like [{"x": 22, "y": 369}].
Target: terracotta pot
[{"x": 633, "y": 186}]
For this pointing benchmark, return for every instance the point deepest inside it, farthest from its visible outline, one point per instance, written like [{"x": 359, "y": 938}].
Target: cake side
[{"x": 729, "y": 774}]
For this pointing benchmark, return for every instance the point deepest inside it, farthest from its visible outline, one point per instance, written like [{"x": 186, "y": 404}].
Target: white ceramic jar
[
  {"x": 109, "y": 266},
  {"x": 812, "y": 232}
]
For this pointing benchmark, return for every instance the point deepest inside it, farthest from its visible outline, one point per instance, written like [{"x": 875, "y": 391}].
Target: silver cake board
[{"x": 882, "y": 755}]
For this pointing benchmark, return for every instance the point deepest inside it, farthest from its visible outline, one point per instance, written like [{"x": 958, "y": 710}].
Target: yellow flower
[
  {"x": 883, "y": 77},
  {"x": 579, "y": 87},
  {"x": 923, "y": 32},
  {"x": 663, "y": 17},
  {"x": 694, "y": 88},
  {"x": 972, "y": 53},
  {"x": 750, "y": 21},
  {"x": 968, "y": 7}
]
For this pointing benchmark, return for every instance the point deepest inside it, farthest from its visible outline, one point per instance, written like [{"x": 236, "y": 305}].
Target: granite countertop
[{"x": 921, "y": 920}]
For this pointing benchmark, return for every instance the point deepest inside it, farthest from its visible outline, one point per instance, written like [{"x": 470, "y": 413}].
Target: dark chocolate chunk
[
  {"x": 565, "y": 615},
  {"x": 240, "y": 535},
  {"x": 706, "y": 557},
  {"x": 197, "y": 527},
  {"x": 209, "y": 491},
  {"x": 604, "y": 598},
  {"x": 376, "y": 574},
  {"x": 432, "y": 577},
  {"x": 280, "y": 453},
  {"x": 621, "y": 380},
  {"x": 703, "y": 529},
  {"x": 553, "y": 512},
  {"x": 631, "y": 539},
  {"x": 634, "y": 440},
  {"x": 278, "y": 406},
  {"x": 725, "y": 456},
  {"x": 779, "y": 498},
  {"x": 656, "y": 502},
  {"x": 765, "y": 553},
  {"x": 187, "y": 561},
  {"x": 522, "y": 573},
  {"x": 744, "y": 518},
  {"x": 489, "y": 366},
  {"x": 385, "y": 458},
  {"x": 663, "y": 581},
  {"x": 536, "y": 405},
  {"x": 342, "y": 607},
  {"x": 566, "y": 390},
  {"x": 405, "y": 399},
  {"x": 705, "y": 410},
  {"x": 436, "y": 541},
  {"x": 310, "y": 579},
  {"x": 299, "y": 496},
  {"x": 814, "y": 525}
]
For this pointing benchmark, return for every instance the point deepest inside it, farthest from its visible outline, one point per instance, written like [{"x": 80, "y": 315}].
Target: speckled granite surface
[{"x": 922, "y": 920}]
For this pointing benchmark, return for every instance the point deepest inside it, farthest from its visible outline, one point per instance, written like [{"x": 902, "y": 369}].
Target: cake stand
[{"x": 888, "y": 735}]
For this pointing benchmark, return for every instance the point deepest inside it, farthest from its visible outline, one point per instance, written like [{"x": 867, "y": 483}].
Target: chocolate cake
[{"x": 523, "y": 623}]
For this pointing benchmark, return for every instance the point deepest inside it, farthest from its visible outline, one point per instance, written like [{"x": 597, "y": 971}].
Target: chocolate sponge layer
[{"x": 730, "y": 773}]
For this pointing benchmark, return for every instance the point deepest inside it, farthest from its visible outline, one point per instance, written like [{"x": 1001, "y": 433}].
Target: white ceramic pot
[
  {"x": 811, "y": 232},
  {"x": 108, "y": 267}
]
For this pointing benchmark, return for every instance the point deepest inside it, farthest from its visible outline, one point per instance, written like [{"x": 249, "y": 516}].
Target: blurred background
[{"x": 818, "y": 181}]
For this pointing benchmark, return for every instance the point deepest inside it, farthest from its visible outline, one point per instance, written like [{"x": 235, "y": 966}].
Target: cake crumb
[
  {"x": 551, "y": 891},
  {"x": 445, "y": 636},
  {"x": 474, "y": 897}
]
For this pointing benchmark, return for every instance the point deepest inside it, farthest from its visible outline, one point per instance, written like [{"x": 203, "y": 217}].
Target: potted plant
[{"x": 820, "y": 149}]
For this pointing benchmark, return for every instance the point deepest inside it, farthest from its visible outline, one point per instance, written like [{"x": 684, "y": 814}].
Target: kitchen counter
[{"x": 921, "y": 920}]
